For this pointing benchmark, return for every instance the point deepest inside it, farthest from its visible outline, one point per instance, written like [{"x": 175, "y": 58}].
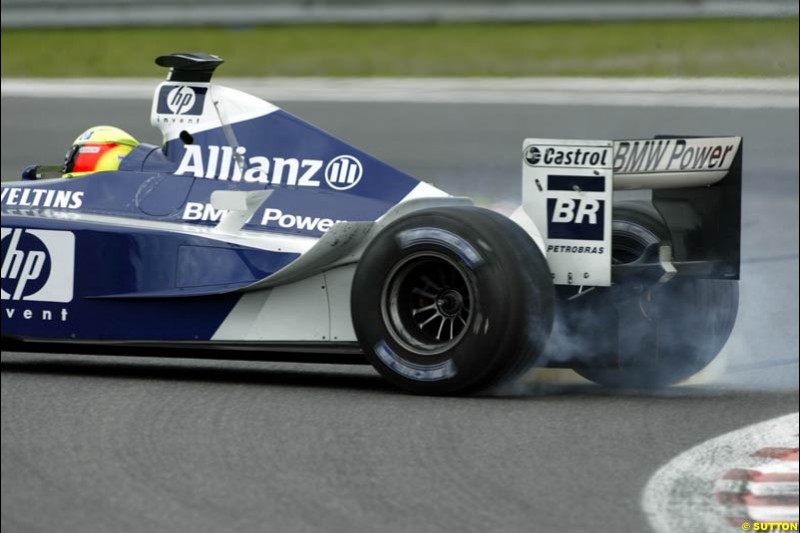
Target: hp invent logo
[
  {"x": 343, "y": 172},
  {"x": 37, "y": 265},
  {"x": 181, "y": 99},
  {"x": 26, "y": 265}
]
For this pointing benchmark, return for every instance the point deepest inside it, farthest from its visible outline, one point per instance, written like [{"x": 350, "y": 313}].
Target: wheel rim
[
  {"x": 427, "y": 303},
  {"x": 630, "y": 241}
]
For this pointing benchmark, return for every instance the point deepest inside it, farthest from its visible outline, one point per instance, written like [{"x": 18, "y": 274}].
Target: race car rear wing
[{"x": 568, "y": 188}]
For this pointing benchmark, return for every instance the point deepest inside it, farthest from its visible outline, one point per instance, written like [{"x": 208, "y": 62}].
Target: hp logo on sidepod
[{"x": 37, "y": 265}]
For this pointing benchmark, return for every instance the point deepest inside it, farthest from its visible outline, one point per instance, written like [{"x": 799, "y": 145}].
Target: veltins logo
[
  {"x": 181, "y": 100},
  {"x": 533, "y": 155},
  {"x": 37, "y": 265},
  {"x": 343, "y": 172}
]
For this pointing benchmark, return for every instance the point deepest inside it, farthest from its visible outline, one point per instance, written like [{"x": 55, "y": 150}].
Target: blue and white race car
[{"x": 251, "y": 234}]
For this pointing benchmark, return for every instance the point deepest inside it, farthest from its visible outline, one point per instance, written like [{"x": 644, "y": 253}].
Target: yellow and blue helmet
[{"x": 98, "y": 149}]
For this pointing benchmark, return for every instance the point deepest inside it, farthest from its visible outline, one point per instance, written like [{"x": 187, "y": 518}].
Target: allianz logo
[
  {"x": 226, "y": 163},
  {"x": 198, "y": 211}
]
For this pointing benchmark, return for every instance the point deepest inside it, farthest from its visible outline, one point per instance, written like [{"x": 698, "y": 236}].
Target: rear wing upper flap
[{"x": 189, "y": 67}]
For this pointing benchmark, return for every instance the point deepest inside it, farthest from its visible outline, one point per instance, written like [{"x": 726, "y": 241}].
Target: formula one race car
[{"x": 251, "y": 234}]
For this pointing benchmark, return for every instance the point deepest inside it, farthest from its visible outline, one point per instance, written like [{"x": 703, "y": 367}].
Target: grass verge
[{"x": 670, "y": 48}]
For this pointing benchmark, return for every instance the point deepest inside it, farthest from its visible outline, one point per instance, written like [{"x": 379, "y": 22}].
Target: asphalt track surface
[{"x": 122, "y": 444}]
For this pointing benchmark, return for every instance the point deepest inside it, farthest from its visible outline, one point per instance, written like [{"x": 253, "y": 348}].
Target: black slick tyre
[{"x": 452, "y": 300}]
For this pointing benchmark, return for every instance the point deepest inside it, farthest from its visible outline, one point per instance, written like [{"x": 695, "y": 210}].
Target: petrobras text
[
  {"x": 35, "y": 197},
  {"x": 227, "y": 163},
  {"x": 567, "y": 156},
  {"x": 674, "y": 155},
  {"x": 271, "y": 217},
  {"x": 567, "y": 249}
]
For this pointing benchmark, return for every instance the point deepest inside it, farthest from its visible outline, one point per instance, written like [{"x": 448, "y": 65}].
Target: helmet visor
[{"x": 85, "y": 158}]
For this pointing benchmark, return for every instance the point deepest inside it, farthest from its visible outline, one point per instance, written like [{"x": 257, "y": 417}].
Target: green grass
[{"x": 672, "y": 48}]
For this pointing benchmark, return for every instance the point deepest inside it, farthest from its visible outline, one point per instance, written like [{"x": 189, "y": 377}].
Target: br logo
[
  {"x": 343, "y": 172},
  {"x": 575, "y": 219},
  {"x": 37, "y": 265}
]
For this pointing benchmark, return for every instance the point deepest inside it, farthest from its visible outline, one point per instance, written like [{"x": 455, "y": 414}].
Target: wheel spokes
[
  {"x": 441, "y": 327},
  {"x": 428, "y": 321},
  {"x": 416, "y": 310},
  {"x": 449, "y": 282},
  {"x": 429, "y": 283},
  {"x": 424, "y": 293},
  {"x": 430, "y": 304}
]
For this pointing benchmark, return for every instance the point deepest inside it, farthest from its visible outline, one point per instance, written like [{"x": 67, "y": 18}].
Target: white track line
[
  {"x": 646, "y": 92},
  {"x": 681, "y": 494}
]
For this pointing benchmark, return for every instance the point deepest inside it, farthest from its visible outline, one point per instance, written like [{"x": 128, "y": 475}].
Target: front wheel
[{"x": 452, "y": 300}]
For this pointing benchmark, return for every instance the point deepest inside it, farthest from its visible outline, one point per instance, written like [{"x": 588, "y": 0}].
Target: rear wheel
[
  {"x": 452, "y": 300},
  {"x": 666, "y": 333}
]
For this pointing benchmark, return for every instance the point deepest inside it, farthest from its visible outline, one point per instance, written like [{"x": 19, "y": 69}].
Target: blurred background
[{"x": 86, "y": 38}]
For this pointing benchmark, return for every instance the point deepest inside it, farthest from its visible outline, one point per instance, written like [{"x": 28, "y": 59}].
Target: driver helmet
[{"x": 98, "y": 149}]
